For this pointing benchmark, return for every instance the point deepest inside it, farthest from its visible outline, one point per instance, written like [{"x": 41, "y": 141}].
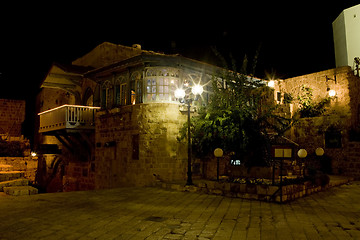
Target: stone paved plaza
[{"x": 153, "y": 213}]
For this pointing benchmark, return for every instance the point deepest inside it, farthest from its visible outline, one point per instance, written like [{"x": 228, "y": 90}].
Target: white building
[{"x": 346, "y": 30}]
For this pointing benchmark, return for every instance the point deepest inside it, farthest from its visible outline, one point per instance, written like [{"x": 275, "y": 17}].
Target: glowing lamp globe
[
  {"x": 302, "y": 153},
  {"x": 218, "y": 152},
  {"x": 179, "y": 93},
  {"x": 271, "y": 84},
  {"x": 332, "y": 93},
  {"x": 319, "y": 152},
  {"x": 197, "y": 89}
]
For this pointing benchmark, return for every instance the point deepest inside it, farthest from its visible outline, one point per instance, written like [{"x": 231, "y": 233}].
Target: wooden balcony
[{"x": 67, "y": 117}]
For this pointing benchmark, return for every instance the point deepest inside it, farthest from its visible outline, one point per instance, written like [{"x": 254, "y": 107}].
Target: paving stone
[{"x": 135, "y": 213}]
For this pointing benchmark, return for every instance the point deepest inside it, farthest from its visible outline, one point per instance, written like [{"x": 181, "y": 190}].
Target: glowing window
[{"x": 161, "y": 84}]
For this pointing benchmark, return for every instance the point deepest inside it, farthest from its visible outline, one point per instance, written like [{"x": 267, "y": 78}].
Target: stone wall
[
  {"x": 135, "y": 145},
  {"x": 79, "y": 176},
  {"x": 309, "y": 133},
  {"x": 351, "y": 165},
  {"x": 12, "y": 115},
  {"x": 25, "y": 164},
  {"x": 338, "y": 79},
  {"x": 341, "y": 115}
]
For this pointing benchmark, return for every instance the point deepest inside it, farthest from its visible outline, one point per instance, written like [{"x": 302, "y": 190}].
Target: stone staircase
[{"x": 13, "y": 182}]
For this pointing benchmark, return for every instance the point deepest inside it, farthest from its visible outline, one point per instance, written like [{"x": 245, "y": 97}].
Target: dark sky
[{"x": 295, "y": 37}]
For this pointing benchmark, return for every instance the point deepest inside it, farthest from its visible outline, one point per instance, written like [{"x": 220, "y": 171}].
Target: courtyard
[{"x": 154, "y": 213}]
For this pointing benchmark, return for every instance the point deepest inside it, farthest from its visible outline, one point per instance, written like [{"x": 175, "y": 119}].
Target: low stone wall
[
  {"x": 28, "y": 165},
  {"x": 255, "y": 191}
]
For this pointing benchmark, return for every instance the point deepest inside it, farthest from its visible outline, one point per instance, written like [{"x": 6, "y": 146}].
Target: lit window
[
  {"x": 133, "y": 97},
  {"x": 161, "y": 84},
  {"x": 151, "y": 89},
  {"x": 136, "y": 88}
]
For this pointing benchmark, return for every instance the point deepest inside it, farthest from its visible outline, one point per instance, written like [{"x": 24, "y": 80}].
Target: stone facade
[
  {"x": 26, "y": 165},
  {"x": 341, "y": 116},
  {"x": 134, "y": 140},
  {"x": 12, "y": 115},
  {"x": 137, "y": 144}
]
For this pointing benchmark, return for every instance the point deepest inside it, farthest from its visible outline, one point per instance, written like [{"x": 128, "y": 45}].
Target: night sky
[{"x": 294, "y": 38}]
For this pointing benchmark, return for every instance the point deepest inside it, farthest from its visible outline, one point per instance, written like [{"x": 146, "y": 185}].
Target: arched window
[
  {"x": 88, "y": 99},
  {"x": 136, "y": 86},
  {"x": 106, "y": 95},
  {"x": 120, "y": 91}
]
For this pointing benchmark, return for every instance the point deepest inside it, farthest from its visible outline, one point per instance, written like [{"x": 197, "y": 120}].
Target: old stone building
[
  {"x": 114, "y": 117},
  {"x": 336, "y": 129},
  {"x": 111, "y": 118}
]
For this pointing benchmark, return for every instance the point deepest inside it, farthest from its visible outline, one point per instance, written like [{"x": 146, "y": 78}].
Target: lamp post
[
  {"x": 302, "y": 153},
  {"x": 180, "y": 94}
]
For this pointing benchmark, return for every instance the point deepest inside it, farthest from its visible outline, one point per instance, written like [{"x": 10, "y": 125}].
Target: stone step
[
  {"x": 20, "y": 190},
  {"x": 10, "y": 175},
  {"x": 6, "y": 167},
  {"x": 14, "y": 183}
]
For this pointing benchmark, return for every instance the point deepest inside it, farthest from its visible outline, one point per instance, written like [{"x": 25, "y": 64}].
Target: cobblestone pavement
[{"x": 152, "y": 213}]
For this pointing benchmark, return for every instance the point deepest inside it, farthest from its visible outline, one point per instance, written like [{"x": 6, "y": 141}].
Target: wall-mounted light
[
  {"x": 271, "y": 84},
  {"x": 331, "y": 79},
  {"x": 332, "y": 93}
]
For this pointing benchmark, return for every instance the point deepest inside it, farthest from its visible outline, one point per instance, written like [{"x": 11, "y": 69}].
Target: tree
[
  {"x": 307, "y": 106},
  {"x": 237, "y": 118}
]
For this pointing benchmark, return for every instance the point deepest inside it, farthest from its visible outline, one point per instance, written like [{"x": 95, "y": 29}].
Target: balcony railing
[{"x": 67, "y": 117}]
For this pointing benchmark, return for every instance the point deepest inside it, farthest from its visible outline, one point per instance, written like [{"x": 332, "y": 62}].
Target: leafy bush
[{"x": 307, "y": 107}]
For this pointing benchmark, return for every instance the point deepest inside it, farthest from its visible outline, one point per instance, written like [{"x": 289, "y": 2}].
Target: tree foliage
[
  {"x": 308, "y": 108},
  {"x": 237, "y": 118}
]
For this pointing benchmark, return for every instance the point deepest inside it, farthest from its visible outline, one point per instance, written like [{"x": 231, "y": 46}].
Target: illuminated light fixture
[
  {"x": 332, "y": 93},
  {"x": 319, "y": 151},
  {"x": 197, "y": 89},
  {"x": 179, "y": 93},
  {"x": 302, "y": 153},
  {"x": 33, "y": 154},
  {"x": 271, "y": 84}
]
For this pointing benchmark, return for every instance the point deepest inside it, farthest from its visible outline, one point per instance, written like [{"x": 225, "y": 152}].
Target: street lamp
[
  {"x": 302, "y": 153},
  {"x": 218, "y": 153},
  {"x": 180, "y": 94}
]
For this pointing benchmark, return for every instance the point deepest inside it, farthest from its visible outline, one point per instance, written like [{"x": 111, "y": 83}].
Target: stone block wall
[
  {"x": 135, "y": 145},
  {"x": 309, "y": 133},
  {"x": 28, "y": 165},
  {"x": 342, "y": 80},
  {"x": 12, "y": 115},
  {"x": 341, "y": 115},
  {"x": 79, "y": 176},
  {"x": 351, "y": 165}
]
